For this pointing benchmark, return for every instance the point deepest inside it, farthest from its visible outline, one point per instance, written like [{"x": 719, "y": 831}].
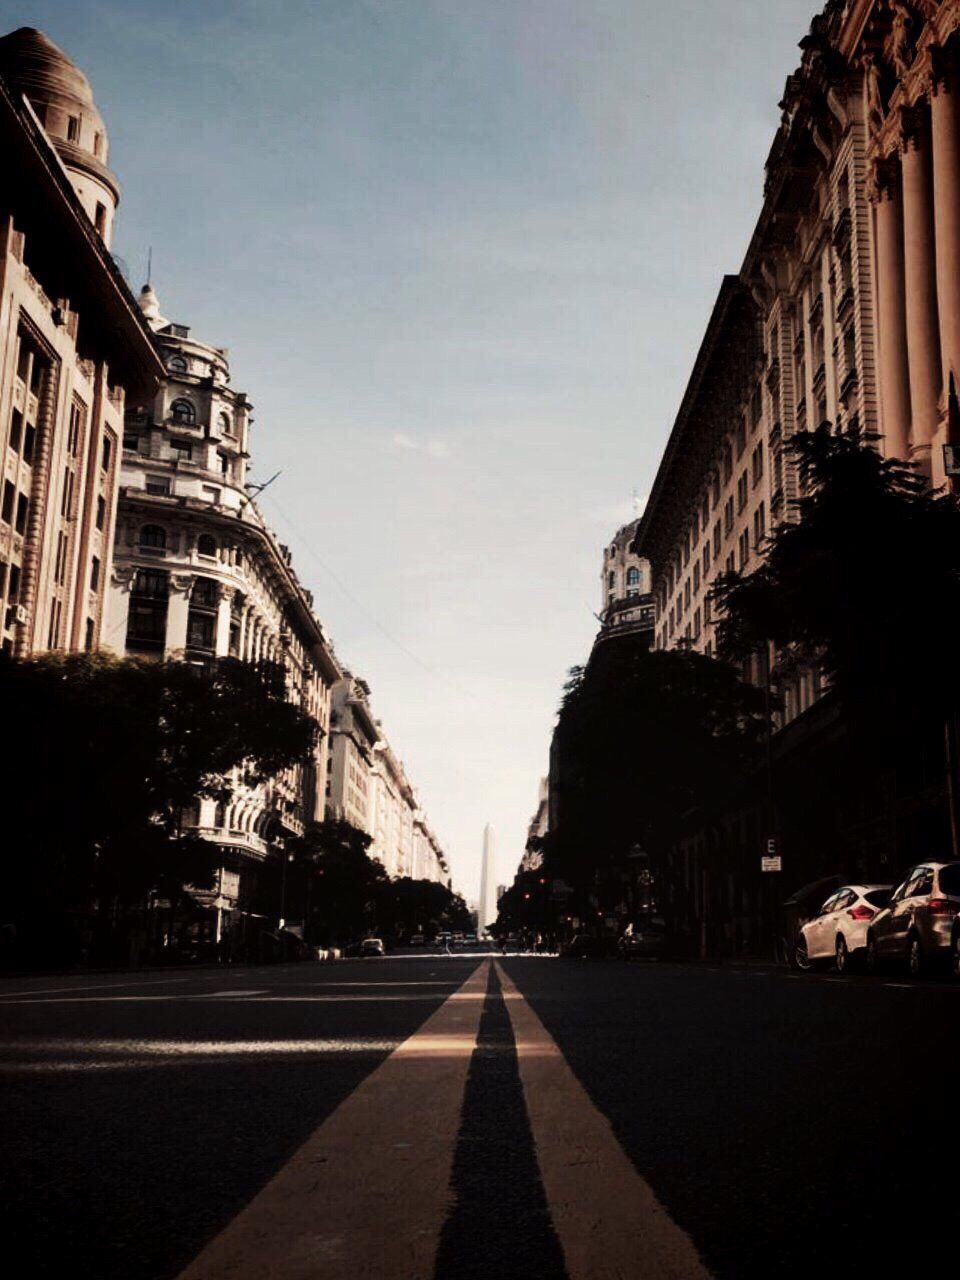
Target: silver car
[
  {"x": 917, "y": 925},
  {"x": 838, "y": 931}
]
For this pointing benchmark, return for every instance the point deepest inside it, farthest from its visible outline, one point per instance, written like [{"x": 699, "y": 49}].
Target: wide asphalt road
[{"x": 445, "y": 1117}]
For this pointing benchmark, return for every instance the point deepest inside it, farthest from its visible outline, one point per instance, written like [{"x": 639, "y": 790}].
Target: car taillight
[
  {"x": 861, "y": 913},
  {"x": 943, "y": 907}
]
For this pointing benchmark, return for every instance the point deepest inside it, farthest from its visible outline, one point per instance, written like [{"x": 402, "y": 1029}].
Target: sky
[{"x": 462, "y": 253}]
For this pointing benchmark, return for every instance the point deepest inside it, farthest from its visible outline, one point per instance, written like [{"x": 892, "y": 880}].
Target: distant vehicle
[
  {"x": 456, "y": 937},
  {"x": 838, "y": 931},
  {"x": 443, "y": 937},
  {"x": 417, "y": 939},
  {"x": 646, "y": 938},
  {"x": 470, "y": 937},
  {"x": 372, "y": 947},
  {"x": 918, "y": 926},
  {"x": 584, "y": 946}
]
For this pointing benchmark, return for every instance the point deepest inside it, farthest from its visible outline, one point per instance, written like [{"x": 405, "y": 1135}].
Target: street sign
[
  {"x": 771, "y": 864},
  {"x": 772, "y": 847}
]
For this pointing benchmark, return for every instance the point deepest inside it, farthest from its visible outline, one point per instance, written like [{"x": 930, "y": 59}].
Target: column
[
  {"x": 923, "y": 330},
  {"x": 222, "y": 634},
  {"x": 945, "y": 137},
  {"x": 894, "y": 377},
  {"x": 178, "y": 608}
]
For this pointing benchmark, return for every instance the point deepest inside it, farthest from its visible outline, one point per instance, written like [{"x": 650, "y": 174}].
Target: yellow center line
[
  {"x": 367, "y": 1194},
  {"x": 608, "y": 1220}
]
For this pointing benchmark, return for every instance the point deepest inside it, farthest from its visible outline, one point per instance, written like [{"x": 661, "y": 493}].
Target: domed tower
[{"x": 62, "y": 99}]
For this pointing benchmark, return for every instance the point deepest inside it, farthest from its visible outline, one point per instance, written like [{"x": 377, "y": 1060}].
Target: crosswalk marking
[
  {"x": 367, "y": 1194},
  {"x": 608, "y": 1220}
]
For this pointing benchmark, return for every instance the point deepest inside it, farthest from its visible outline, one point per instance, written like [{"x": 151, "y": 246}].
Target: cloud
[{"x": 433, "y": 446}]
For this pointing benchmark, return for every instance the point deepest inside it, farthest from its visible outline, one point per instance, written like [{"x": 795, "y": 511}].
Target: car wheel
[
  {"x": 842, "y": 955},
  {"x": 802, "y": 956},
  {"x": 916, "y": 963},
  {"x": 873, "y": 961}
]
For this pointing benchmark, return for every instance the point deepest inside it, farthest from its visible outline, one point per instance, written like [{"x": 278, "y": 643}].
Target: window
[
  {"x": 742, "y": 491},
  {"x": 98, "y": 145},
  {"x": 177, "y": 364},
  {"x": 76, "y": 424},
  {"x": 717, "y": 538},
  {"x": 759, "y": 525},
  {"x": 206, "y": 545},
  {"x": 100, "y": 218},
  {"x": 205, "y": 593},
  {"x": 727, "y": 463},
  {"x": 88, "y": 636},
  {"x": 73, "y": 128},
  {"x": 728, "y": 516},
  {"x": 60, "y": 567},
  {"x": 147, "y": 620},
  {"x": 95, "y": 574},
  {"x": 182, "y": 449},
  {"x": 696, "y": 577},
  {"x": 757, "y": 464},
  {"x": 153, "y": 536},
  {"x": 6, "y": 510},
  {"x": 706, "y": 559},
  {"x": 225, "y": 423},
  {"x": 131, "y": 442},
  {"x": 224, "y": 461},
  {"x": 633, "y": 576},
  {"x": 743, "y": 549},
  {"x": 101, "y": 511},
  {"x": 16, "y": 430},
  {"x": 22, "y": 508},
  {"x": 183, "y": 411},
  {"x": 159, "y": 486},
  {"x": 29, "y": 440},
  {"x": 106, "y": 454}
]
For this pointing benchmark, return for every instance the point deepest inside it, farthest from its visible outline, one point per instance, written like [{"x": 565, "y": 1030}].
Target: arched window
[
  {"x": 207, "y": 545},
  {"x": 183, "y": 411},
  {"x": 153, "y": 536},
  {"x": 226, "y": 424},
  {"x": 177, "y": 364},
  {"x": 633, "y": 577}
]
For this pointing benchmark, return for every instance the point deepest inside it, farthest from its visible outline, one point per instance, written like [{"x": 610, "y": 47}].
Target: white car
[{"x": 838, "y": 932}]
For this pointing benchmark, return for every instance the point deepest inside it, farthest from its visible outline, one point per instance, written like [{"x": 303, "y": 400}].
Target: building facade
[
  {"x": 846, "y": 310},
  {"x": 626, "y": 604},
  {"x": 73, "y": 351},
  {"x": 198, "y": 576}
]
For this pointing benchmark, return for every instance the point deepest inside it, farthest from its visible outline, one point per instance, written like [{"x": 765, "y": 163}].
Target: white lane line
[
  {"x": 366, "y": 1196},
  {"x": 104, "y": 986},
  {"x": 901, "y": 986},
  {"x": 238, "y": 997},
  {"x": 607, "y": 1218}
]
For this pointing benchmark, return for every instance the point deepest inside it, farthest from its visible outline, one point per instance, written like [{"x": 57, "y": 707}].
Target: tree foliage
[
  {"x": 110, "y": 754},
  {"x": 866, "y": 583},
  {"x": 642, "y": 738}
]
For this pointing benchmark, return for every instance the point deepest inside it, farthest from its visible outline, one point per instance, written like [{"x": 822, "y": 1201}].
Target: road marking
[
  {"x": 367, "y": 1194},
  {"x": 607, "y": 1218},
  {"x": 104, "y": 986},
  {"x": 901, "y": 986}
]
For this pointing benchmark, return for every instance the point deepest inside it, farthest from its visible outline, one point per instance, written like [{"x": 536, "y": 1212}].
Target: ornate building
[
  {"x": 626, "y": 601},
  {"x": 846, "y": 309},
  {"x": 73, "y": 348},
  {"x": 199, "y": 575}
]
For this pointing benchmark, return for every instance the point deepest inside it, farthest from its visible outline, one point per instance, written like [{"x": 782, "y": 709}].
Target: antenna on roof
[
  {"x": 150, "y": 264},
  {"x": 259, "y": 488}
]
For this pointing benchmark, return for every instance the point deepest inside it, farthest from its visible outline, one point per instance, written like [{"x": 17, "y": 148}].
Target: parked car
[
  {"x": 917, "y": 927},
  {"x": 417, "y": 939},
  {"x": 838, "y": 931},
  {"x": 644, "y": 938},
  {"x": 372, "y": 947}
]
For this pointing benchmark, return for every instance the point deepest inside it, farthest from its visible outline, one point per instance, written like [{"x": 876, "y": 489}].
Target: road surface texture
[{"x": 431, "y": 1117}]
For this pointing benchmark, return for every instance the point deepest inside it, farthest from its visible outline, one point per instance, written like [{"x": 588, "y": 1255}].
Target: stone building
[
  {"x": 846, "y": 309},
  {"x": 845, "y": 312},
  {"x": 73, "y": 350},
  {"x": 429, "y": 860},
  {"x": 626, "y": 605},
  {"x": 198, "y": 575},
  {"x": 354, "y": 733}
]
